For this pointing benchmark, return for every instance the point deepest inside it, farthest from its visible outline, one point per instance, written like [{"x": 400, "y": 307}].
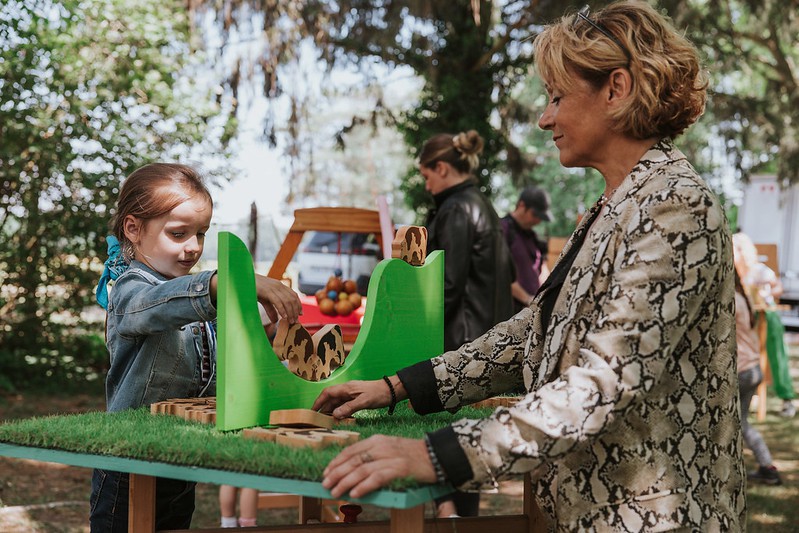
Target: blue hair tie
[{"x": 114, "y": 266}]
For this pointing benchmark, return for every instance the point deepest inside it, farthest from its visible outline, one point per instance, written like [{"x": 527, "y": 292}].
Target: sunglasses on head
[{"x": 583, "y": 15}]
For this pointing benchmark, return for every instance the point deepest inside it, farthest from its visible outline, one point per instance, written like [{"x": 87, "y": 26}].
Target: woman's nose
[{"x": 545, "y": 120}]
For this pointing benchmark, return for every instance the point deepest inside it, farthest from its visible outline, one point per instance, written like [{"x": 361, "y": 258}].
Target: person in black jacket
[{"x": 478, "y": 266}]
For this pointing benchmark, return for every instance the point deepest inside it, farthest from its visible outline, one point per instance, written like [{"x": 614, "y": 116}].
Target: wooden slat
[{"x": 343, "y": 219}]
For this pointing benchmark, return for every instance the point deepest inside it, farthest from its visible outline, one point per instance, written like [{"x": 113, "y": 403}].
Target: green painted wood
[
  {"x": 403, "y": 324},
  {"x": 382, "y": 498}
]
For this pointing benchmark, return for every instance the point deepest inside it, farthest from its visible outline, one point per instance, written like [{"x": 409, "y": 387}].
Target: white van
[{"x": 350, "y": 255}]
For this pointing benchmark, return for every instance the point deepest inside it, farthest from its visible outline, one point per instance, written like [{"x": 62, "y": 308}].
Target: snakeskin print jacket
[{"x": 631, "y": 419}]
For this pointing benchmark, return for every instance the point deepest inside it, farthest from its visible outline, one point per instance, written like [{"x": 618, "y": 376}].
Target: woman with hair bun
[
  {"x": 631, "y": 421},
  {"x": 478, "y": 268}
]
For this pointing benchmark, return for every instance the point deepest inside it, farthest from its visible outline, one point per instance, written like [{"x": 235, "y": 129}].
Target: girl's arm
[{"x": 278, "y": 300}]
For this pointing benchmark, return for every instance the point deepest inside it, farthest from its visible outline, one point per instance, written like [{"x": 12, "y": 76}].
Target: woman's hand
[
  {"x": 278, "y": 300},
  {"x": 373, "y": 463},
  {"x": 343, "y": 400}
]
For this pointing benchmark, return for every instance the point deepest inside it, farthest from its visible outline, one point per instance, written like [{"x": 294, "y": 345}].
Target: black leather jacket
[{"x": 478, "y": 266}]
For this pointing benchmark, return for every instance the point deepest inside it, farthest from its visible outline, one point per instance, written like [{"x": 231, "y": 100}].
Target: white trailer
[{"x": 769, "y": 214}]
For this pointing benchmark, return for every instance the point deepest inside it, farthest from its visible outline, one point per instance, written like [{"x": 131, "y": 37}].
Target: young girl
[
  {"x": 749, "y": 377},
  {"x": 159, "y": 330}
]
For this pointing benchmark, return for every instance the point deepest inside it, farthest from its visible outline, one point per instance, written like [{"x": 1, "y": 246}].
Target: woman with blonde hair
[
  {"x": 764, "y": 288},
  {"x": 631, "y": 420}
]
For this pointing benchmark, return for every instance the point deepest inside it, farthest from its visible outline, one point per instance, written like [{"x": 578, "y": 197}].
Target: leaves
[{"x": 88, "y": 93}]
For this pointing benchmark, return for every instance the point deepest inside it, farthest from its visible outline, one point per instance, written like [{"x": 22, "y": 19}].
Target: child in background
[
  {"x": 248, "y": 506},
  {"x": 749, "y": 377},
  {"x": 159, "y": 330},
  {"x": 764, "y": 288}
]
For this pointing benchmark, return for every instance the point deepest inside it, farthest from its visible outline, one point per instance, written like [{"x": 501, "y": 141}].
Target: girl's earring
[{"x": 128, "y": 252}]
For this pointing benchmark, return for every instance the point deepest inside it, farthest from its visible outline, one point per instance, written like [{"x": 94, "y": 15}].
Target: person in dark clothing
[
  {"x": 528, "y": 250},
  {"x": 479, "y": 269},
  {"x": 478, "y": 266}
]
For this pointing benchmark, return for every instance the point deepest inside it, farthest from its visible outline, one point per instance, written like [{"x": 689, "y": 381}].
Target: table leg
[
  {"x": 141, "y": 507},
  {"x": 534, "y": 515},
  {"x": 407, "y": 520},
  {"x": 310, "y": 509}
]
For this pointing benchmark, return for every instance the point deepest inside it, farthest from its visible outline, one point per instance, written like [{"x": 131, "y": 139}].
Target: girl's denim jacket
[{"x": 154, "y": 337}]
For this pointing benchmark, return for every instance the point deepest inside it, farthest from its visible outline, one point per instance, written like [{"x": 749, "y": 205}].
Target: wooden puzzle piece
[
  {"x": 410, "y": 245},
  {"x": 300, "y": 418},
  {"x": 328, "y": 345},
  {"x": 497, "y": 401},
  {"x": 311, "y": 437},
  {"x": 195, "y": 409},
  {"x": 292, "y": 341}
]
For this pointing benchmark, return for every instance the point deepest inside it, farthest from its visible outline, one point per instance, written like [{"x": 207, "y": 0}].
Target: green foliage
[
  {"x": 88, "y": 92},
  {"x": 752, "y": 57},
  {"x": 469, "y": 62}
]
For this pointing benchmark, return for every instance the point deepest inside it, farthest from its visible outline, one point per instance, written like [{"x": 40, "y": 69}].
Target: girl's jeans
[
  {"x": 174, "y": 502},
  {"x": 748, "y": 380}
]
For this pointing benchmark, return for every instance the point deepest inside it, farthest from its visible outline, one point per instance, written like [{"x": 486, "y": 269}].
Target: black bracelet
[
  {"x": 393, "y": 403},
  {"x": 441, "y": 477}
]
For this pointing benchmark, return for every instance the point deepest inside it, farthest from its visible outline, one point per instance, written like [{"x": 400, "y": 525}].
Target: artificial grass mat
[{"x": 137, "y": 434}]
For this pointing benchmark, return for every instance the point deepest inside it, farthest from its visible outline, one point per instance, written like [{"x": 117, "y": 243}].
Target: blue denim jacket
[{"x": 154, "y": 337}]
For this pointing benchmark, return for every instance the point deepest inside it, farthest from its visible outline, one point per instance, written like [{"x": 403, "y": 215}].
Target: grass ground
[{"x": 45, "y": 497}]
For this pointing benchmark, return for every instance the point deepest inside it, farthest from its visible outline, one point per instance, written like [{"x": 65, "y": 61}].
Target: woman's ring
[{"x": 366, "y": 457}]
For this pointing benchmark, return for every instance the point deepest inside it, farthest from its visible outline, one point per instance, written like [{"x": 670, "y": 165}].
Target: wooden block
[
  {"x": 328, "y": 344},
  {"x": 260, "y": 434},
  {"x": 497, "y": 401},
  {"x": 300, "y": 418},
  {"x": 316, "y": 438},
  {"x": 292, "y": 340},
  {"x": 196, "y": 409},
  {"x": 410, "y": 245}
]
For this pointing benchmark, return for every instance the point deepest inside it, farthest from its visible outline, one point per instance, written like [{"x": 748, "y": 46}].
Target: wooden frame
[
  {"x": 337, "y": 219},
  {"x": 402, "y": 325}
]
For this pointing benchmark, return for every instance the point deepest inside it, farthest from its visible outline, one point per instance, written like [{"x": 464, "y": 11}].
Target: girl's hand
[
  {"x": 278, "y": 300},
  {"x": 373, "y": 463},
  {"x": 343, "y": 400}
]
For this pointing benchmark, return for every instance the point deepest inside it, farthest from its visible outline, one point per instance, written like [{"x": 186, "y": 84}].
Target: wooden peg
[{"x": 410, "y": 245}]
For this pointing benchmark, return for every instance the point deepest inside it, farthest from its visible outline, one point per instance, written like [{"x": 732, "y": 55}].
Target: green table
[
  {"x": 407, "y": 507},
  {"x": 148, "y": 446}
]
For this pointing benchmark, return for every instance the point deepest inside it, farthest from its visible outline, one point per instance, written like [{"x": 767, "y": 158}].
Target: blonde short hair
[{"x": 669, "y": 89}]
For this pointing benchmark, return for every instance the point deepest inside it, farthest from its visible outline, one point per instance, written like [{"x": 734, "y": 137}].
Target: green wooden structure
[{"x": 403, "y": 324}]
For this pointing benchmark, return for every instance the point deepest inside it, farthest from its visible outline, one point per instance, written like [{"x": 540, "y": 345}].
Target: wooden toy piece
[
  {"x": 267, "y": 434},
  {"x": 300, "y": 418},
  {"x": 292, "y": 341},
  {"x": 497, "y": 401},
  {"x": 309, "y": 437},
  {"x": 328, "y": 344},
  {"x": 315, "y": 437},
  {"x": 350, "y": 512},
  {"x": 410, "y": 245},
  {"x": 196, "y": 409}
]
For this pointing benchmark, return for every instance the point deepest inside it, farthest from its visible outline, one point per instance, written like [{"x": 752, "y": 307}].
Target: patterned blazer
[{"x": 631, "y": 421}]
